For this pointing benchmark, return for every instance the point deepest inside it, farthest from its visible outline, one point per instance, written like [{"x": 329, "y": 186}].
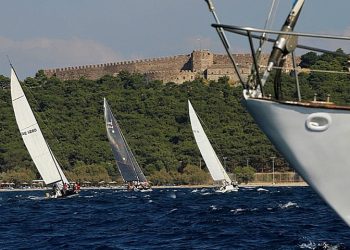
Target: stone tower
[{"x": 201, "y": 60}]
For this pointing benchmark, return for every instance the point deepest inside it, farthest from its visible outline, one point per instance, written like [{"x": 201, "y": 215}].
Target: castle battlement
[{"x": 178, "y": 69}]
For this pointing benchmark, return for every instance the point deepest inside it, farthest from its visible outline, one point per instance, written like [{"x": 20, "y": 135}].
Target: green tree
[
  {"x": 308, "y": 59},
  {"x": 94, "y": 173},
  {"x": 244, "y": 174},
  {"x": 19, "y": 176},
  {"x": 154, "y": 119}
]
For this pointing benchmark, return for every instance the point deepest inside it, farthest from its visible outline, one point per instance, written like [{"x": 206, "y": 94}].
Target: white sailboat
[
  {"x": 211, "y": 160},
  {"x": 35, "y": 142},
  {"x": 126, "y": 161},
  {"x": 312, "y": 136}
]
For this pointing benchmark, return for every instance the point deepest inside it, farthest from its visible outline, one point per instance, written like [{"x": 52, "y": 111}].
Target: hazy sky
[{"x": 41, "y": 34}]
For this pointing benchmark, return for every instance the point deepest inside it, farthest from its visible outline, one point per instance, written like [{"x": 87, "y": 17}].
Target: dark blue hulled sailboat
[{"x": 126, "y": 162}]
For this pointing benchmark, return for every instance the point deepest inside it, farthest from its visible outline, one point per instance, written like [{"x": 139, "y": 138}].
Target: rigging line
[
  {"x": 327, "y": 71},
  {"x": 56, "y": 162},
  {"x": 136, "y": 166},
  {"x": 53, "y": 182},
  {"x": 268, "y": 23},
  {"x": 128, "y": 151},
  {"x": 226, "y": 44},
  {"x": 40, "y": 115},
  {"x": 274, "y": 13},
  {"x": 212, "y": 140},
  {"x": 132, "y": 157},
  {"x": 243, "y": 31},
  {"x": 309, "y": 70},
  {"x": 29, "y": 126},
  {"x": 17, "y": 98},
  {"x": 272, "y": 18},
  {"x": 262, "y": 40}
]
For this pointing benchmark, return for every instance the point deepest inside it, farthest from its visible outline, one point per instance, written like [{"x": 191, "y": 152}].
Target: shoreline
[{"x": 253, "y": 184}]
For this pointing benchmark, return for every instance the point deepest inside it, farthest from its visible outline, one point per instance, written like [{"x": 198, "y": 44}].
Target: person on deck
[
  {"x": 130, "y": 186},
  {"x": 78, "y": 186},
  {"x": 65, "y": 188},
  {"x": 234, "y": 183},
  {"x": 56, "y": 192}
]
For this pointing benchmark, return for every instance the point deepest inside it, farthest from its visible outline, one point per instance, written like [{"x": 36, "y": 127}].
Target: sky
[{"x": 45, "y": 34}]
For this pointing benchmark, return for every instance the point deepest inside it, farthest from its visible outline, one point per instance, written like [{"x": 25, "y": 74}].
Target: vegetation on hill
[{"x": 154, "y": 119}]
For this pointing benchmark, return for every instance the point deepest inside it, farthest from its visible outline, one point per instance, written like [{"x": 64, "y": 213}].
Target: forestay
[
  {"x": 33, "y": 138},
  {"x": 126, "y": 162},
  {"x": 213, "y": 163}
]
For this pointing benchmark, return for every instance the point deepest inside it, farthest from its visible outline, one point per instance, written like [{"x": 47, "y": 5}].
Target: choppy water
[{"x": 253, "y": 218}]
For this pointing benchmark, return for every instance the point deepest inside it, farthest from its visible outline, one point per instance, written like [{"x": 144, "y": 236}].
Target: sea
[{"x": 172, "y": 218}]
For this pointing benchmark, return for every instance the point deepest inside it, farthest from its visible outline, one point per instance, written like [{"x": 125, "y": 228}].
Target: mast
[
  {"x": 55, "y": 161},
  {"x": 284, "y": 45},
  {"x": 263, "y": 38},
  {"x": 225, "y": 42}
]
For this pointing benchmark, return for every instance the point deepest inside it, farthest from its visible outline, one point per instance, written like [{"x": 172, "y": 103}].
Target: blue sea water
[{"x": 253, "y": 218}]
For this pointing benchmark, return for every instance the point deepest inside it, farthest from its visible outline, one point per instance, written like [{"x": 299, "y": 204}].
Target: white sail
[
  {"x": 37, "y": 147},
  {"x": 213, "y": 163}
]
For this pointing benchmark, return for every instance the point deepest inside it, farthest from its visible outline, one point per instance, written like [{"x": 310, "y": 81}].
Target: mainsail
[
  {"x": 34, "y": 140},
  {"x": 126, "y": 162},
  {"x": 212, "y": 161}
]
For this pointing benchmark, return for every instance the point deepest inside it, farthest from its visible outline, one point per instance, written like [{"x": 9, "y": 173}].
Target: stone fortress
[{"x": 177, "y": 69}]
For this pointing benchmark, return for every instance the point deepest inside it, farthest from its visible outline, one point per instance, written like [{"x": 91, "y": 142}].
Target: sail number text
[{"x": 29, "y": 131}]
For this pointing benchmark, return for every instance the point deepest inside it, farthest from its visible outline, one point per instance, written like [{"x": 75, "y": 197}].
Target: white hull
[
  {"x": 146, "y": 190},
  {"x": 48, "y": 196},
  {"x": 227, "y": 189},
  {"x": 316, "y": 143}
]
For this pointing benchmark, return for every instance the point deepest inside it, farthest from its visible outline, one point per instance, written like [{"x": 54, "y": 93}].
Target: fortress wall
[
  {"x": 162, "y": 64},
  {"x": 177, "y": 69},
  {"x": 89, "y": 71},
  {"x": 241, "y": 59},
  {"x": 245, "y": 61},
  {"x": 214, "y": 73},
  {"x": 172, "y": 76},
  {"x": 141, "y": 66}
]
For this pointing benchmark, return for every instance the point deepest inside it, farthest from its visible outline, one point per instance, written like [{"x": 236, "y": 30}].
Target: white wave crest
[
  {"x": 213, "y": 207},
  {"x": 238, "y": 210},
  {"x": 289, "y": 204},
  {"x": 323, "y": 245}
]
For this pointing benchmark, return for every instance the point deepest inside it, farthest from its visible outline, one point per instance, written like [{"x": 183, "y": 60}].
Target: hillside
[{"x": 153, "y": 117}]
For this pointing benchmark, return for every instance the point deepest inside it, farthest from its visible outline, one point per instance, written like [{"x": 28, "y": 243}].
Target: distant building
[{"x": 178, "y": 69}]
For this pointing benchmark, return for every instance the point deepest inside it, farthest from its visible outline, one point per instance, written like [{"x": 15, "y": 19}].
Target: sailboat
[
  {"x": 36, "y": 144},
  {"x": 313, "y": 136},
  {"x": 126, "y": 162},
  {"x": 211, "y": 160}
]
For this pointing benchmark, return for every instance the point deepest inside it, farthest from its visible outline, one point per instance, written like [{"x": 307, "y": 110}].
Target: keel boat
[
  {"x": 313, "y": 136},
  {"x": 125, "y": 159},
  {"x": 37, "y": 146},
  {"x": 211, "y": 160}
]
